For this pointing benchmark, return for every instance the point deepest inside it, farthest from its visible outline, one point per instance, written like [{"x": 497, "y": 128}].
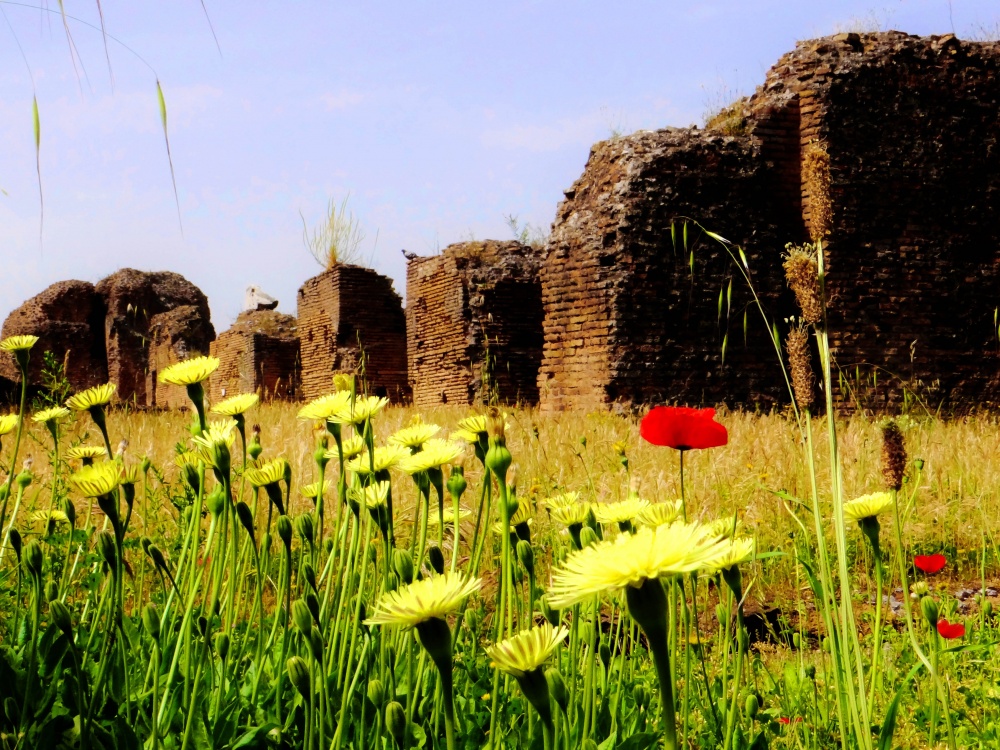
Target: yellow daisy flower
[
  {"x": 324, "y": 407},
  {"x": 386, "y": 456},
  {"x": 723, "y": 528},
  {"x": 528, "y": 650},
  {"x": 867, "y": 506},
  {"x": 218, "y": 437},
  {"x": 621, "y": 511},
  {"x": 426, "y": 599},
  {"x": 313, "y": 490},
  {"x": 435, "y": 454},
  {"x": 7, "y": 423},
  {"x": 235, "y": 405},
  {"x": 658, "y": 514},
  {"x": 570, "y": 515},
  {"x": 560, "y": 501},
  {"x": 97, "y": 479},
  {"x": 190, "y": 371},
  {"x": 271, "y": 472},
  {"x": 99, "y": 395},
  {"x": 523, "y": 514},
  {"x": 18, "y": 343},
  {"x": 352, "y": 447},
  {"x": 632, "y": 559},
  {"x": 373, "y": 496},
  {"x": 415, "y": 435},
  {"x": 449, "y": 517},
  {"x": 363, "y": 409},
  {"x": 738, "y": 551},
  {"x": 50, "y": 415},
  {"x": 80, "y": 452}
]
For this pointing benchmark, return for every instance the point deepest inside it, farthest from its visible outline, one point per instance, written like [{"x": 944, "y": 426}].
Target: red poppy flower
[
  {"x": 786, "y": 720},
  {"x": 950, "y": 630},
  {"x": 930, "y": 564},
  {"x": 683, "y": 428}
]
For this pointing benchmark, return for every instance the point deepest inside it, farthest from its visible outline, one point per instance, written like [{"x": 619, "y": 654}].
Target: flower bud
[
  {"x": 151, "y": 621},
  {"x": 70, "y": 510},
  {"x": 751, "y": 707},
  {"x": 557, "y": 687},
  {"x": 921, "y": 588},
  {"x": 15, "y": 542},
  {"x": 436, "y": 559},
  {"x": 304, "y": 525},
  {"x": 61, "y": 617},
  {"x": 157, "y": 556},
  {"x": 554, "y": 616},
  {"x": 222, "y": 643},
  {"x": 402, "y": 563},
  {"x": 929, "y": 609},
  {"x": 376, "y": 691},
  {"x": 145, "y": 464},
  {"x": 298, "y": 673},
  {"x": 302, "y": 616},
  {"x": 313, "y": 603},
  {"x": 987, "y": 609},
  {"x": 51, "y": 591},
  {"x": 245, "y": 515},
  {"x": 23, "y": 479},
  {"x": 316, "y": 645},
  {"x": 309, "y": 573},
  {"x": 285, "y": 531},
  {"x": 587, "y": 537},
  {"x": 456, "y": 482},
  {"x": 216, "y": 501},
  {"x": 395, "y": 722},
  {"x": 33, "y": 558},
  {"x": 604, "y": 651},
  {"x": 811, "y": 671},
  {"x": 526, "y": 556}
]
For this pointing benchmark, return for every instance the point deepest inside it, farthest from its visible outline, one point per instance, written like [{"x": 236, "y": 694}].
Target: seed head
[
  {"x": 893, "y": 456},
  {"x": 797, "y": 346},
  {"x": 802, "y": 275}
]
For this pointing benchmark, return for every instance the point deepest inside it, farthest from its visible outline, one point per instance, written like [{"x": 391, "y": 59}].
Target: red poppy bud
[
  {"x": 683, "y": 428},
  {"x": 930, "y": 564},
  {"x": 950, "y": 630}
]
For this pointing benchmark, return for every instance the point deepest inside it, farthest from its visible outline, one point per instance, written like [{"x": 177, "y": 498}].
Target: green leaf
[
  {"x": 743, "y": 258},
  {"x": 719, "y": 317},
  {"x": 685, "y": 235},
  {"x": 725, "y": 344},
  {"x": 254, "y": 739},
  {"x": 673, "y": 241}
]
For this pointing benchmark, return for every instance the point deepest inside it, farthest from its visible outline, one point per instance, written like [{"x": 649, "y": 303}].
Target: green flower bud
[
  {"x": 811, "y": 671},
  {"x": 987, "y": 609},
  {"x": 456, "y": 482},
  {"x": 144, "y": 464},
  {"x": 222, "y": 643},
  {"x": 752, "y": 707},
  {"x": 304, "y": 525},
  {"x": 245, "y": 515},
  {"x": 436, "y": 559},
  {"x": 61, "y": 617},
  {"x": 641, "y": 695},
  {"x": 554, "y": 616},
  {"x": 15, "y": 542},
  {"x": 33, "y": 558},
  {"x": 395, "y": 722},
  {"x": 157, "y": 556},
  {"x": 402, "y": 563},
  {"x": 151, "y": 621},
  {"x": 285, "y": 530},
  {"x": 797, "y": 640},
  {"x": 70, "y": 510},
  {"x": 216, "y": 501},
  {"x": 587, "y": 537},
  {"x": 316, "y": 645},
  {"x": 313, "y": 603},
  {"x": 23, "y": 479},
  {"x": 309, "y": 573},
  {"x": 51, "y": 591},
  {"x": 298, "y": 673},
  {"x": 302, "y": 616},
  {"x": 526, "y": 556},
  {"x": 376, "y": 692},
  {"x": 604, "y": 651},
  {"x": 929, "y": 609}
]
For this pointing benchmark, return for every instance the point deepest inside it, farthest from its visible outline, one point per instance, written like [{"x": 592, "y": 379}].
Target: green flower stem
[
  {"x": 435, "y": 636},
  {"x": 11, "y": 473},
  {"x": 877, "y": 647},
  {"x": 485, "y": 501},
  {"x": 647, "y": 603},
  {"x": 36, "y": 617},
  {"x": 13, "y": 519},
  {"x": 734, "y": 707}
]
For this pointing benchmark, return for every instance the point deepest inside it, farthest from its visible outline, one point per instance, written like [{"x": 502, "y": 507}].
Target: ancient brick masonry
[
  {"x": 68, "y": 319},
  {"x": 474, "y": 316},
  {"x": 345, "y": 311},
  {"x": 174, "y": 335},
  {"x": 884, "y": 145},
  {"x": 258, "y": 354}
]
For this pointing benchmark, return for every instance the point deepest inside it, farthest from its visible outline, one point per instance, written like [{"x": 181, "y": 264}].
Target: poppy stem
[{"x": 684, "y": 513}]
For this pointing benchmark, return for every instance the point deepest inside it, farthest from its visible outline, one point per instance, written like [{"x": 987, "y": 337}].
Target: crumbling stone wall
[
  {"x": 346, "y": 310},
  {"x": 174, "y": 336},
  {"x": 631, "y": 318},
  {"x": 132, "y": 300},
  {"x": 258, "y": 354},
  {"x": 897, "y": 138},
  {"x": 68, "y": 318},
  {"x": 883, "y": 145},
  {"x": 474, "y": 322}
]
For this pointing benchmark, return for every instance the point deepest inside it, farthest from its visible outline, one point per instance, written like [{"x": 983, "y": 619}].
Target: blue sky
[{"x": 437, "y": 119}]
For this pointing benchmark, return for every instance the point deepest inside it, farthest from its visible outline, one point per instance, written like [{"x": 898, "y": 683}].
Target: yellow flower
[
  {"x": 739, "y": 550},
  {"x": 97, "y": 479},
  {"x": 449, "y": 516},
  {"x": 373, "y": 496},
  {"x": 423, "y": 600},
  {"x": 726, "y": 527},
  {"x": 79, "y": 452},
  {"x": 620, "y": 512},
  {"x": 570, "y": 515},
  {"x": 50, "y": 415},
  {"x": 474, "y": 429},
  {"x": 521, "y": 515},
  {"x": 7, "y": 423},
  {"x": 43, "y": 516},
  {"x": 352, "y": 446},
  {"x": 528, "y": 650},
  {"x": 213, "y": 445},
  {"x": 18, "y": 343},
  {"x": 99, "y": 395},
  {"x": 270, "y": 473},
  {"x": 867, "y": 506},
  {"x": 363, "y": 409},
  {"x": 235, "y": 405},
  {"x": 324, "y": 407},
  {"x": 386, "y": 456},
  {"x": 414, "y": 435},
  {"x": 435, "y": 454},
  {"x": 190, "y": 371},
  {"x": 313, "y": 490},
  {"x": 632, "y": 559},
  {"x": 187, "y": 459},
  {"x": 658, "y": 514},
  {"x": 560, "y": 501},
  {"x": 131, "y": 474}
]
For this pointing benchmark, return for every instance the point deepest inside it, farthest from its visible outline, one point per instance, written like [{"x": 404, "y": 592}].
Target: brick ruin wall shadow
[
  {"x": 346, "y": 311},
  {"x": 884, "y": 145},
  {"x": 474, "y": 316}
]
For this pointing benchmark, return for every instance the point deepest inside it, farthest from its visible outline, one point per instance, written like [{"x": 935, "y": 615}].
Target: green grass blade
[{"x": 166, "y": 138}]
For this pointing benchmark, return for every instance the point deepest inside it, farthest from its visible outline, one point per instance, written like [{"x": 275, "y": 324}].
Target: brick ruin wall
[
  {"x": 473, "y": 318},
  {"x": 900, "y": 175},
  {"x": 174, "y": 336},
  {"x": 629, "y": 317},
  {"x": 258, "y": 354},
  {"x": 885, "y": 145},
  {"x": 339, "y": 308}
]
